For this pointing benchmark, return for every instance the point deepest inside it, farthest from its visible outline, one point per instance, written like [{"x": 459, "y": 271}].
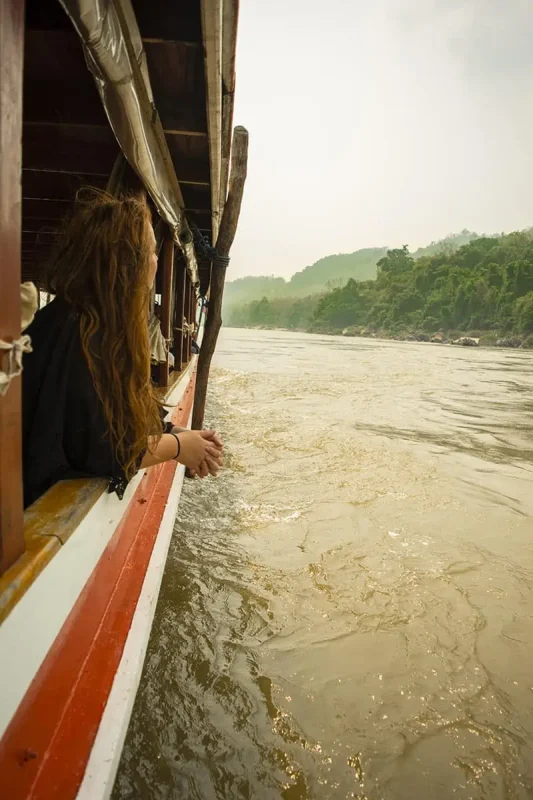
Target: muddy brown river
[{"x": 347, "y": 612}]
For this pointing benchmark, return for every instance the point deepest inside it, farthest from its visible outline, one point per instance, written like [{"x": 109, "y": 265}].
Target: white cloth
[
  {"x": 29, "y": 303},
  {"x": 12, "y": 352},
  {"x": 158, "y": 345}
]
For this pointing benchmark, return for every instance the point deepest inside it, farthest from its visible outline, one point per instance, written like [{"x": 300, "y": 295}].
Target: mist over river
[{"x": 347, "y": 612}]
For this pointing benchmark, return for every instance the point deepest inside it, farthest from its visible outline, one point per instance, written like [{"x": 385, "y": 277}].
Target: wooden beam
[
  {"x": 226, "y": 235},
  {"x": 74, "y": 148},
  {"x": 190, "y": 182},
  {"x": 44, "y": 209},
  {"x": 160, "y": 40},
  {"x": 66, "y": 173},
  {"x": 11, "y": 59},
  {"x": 59, "y": 186},
  {"x": 173, "y": 132},
  {"x": 160, "y": 19},
  {"x": 212, "y": 39},
  {"x": 87, "y": 127},
  {"x": 200, "y": 212},
  {"x": 230, "y": 19},
  {"x": 167, "y": 257}
]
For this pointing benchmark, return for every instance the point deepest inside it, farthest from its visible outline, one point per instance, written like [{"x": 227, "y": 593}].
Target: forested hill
[
  {"x": 323, "y": 275},
  {"x": 484, "y": 287},
  {"x": 336, "y": 270},
  {"x": 328, "y": 273},
  {"x": 448, "y": 245}
]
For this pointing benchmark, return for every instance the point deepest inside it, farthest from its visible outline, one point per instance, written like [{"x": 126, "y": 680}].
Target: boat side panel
[{"x": 105, "y": 756}]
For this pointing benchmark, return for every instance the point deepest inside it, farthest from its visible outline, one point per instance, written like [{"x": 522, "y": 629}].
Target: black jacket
[{"x": 65, "y": 433}]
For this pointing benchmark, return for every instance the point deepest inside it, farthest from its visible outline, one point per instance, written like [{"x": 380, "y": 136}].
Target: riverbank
[{"x": 457, "y": 338}]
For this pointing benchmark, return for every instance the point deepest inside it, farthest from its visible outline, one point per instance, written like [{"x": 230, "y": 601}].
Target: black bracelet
[{"x": 175, "y": 435}]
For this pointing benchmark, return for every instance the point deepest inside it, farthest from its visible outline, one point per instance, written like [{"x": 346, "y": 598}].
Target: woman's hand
[
  {"x": 200, "y": 452},
  {"x": 213, "y": 460},
  {"x": 212, "y": 436}
]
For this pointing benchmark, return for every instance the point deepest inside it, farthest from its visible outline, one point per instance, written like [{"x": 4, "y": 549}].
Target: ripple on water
[{"x": 347, "y": 612}]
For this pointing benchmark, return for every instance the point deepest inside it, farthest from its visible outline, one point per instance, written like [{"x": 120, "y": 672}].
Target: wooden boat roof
[{"x": 172, "y": 115}]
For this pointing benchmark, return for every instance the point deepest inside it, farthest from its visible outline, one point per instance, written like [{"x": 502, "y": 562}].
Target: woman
[{"x": 89, "y": 407}]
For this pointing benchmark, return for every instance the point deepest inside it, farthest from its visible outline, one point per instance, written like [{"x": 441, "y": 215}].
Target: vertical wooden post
[
  {"x": 186, "y": 310},
  {"x": 191, "y": 319},
  {"x": 167, "y": 256},
  {"x": 194, "y": 313},
  {"x": 226, "y": 235},
  {"x": 179, "y": 307},
  {"x": 11, "y": 60}
]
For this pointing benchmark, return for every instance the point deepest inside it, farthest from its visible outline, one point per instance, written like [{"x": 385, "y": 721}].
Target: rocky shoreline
[
  {"x": 474, "y": 339},
  {"x": 477, "y": 339}
]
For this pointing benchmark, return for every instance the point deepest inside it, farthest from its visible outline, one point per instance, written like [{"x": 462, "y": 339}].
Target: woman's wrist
[{"x": 178, "y": 444}]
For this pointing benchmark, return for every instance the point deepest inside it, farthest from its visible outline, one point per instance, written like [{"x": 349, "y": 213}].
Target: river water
[{"x": 347, "y": 612}]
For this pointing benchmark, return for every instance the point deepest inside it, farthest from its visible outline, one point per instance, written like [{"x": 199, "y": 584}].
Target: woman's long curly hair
[{"x": 100, "y": 267}]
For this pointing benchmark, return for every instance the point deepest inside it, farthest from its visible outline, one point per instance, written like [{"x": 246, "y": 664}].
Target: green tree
[{"x": 485, "y": 284}]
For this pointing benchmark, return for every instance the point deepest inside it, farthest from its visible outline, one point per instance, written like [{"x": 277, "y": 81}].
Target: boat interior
[{"x": 119, "y": 96}]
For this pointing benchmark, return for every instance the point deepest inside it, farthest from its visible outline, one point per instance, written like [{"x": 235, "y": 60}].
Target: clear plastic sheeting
[{"x": 115, "y": 56}]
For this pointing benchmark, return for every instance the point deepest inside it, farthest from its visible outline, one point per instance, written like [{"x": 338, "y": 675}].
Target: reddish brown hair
[{"x": 100, "y": 267}]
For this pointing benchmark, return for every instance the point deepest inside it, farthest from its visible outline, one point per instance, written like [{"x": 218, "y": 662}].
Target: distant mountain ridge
[
  {"x": 466, "y": 289},
  {"x": 329, "y": 272},
  {"x": 450, "y": 244},
  {"x": 324, "y": 275}
]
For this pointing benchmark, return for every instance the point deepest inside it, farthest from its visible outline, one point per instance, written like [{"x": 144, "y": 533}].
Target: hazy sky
[{"x": 384, "y": 122}]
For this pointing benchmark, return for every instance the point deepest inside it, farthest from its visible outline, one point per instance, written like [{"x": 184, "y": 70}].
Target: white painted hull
[{"x": 37, "y": 626}]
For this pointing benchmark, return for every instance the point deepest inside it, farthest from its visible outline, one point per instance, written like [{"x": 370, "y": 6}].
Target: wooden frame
[
  {"x": 11, "y": 58},
  {"x": 230, "y": 15},
  {"x": 212, "y": 36}
]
